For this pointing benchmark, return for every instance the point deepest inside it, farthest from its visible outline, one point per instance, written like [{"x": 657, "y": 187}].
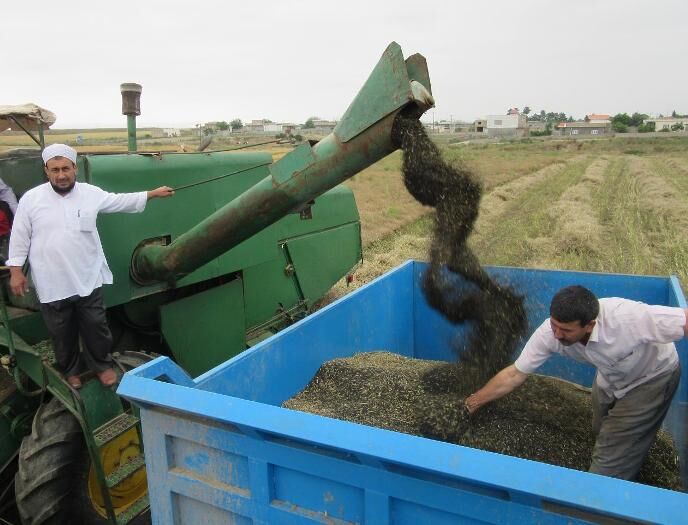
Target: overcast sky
[{"x": 289, "y": 60}]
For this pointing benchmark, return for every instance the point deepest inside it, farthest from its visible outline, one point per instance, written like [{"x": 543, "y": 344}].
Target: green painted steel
[
  {"x": 268, "y": 287},
  {"x": 30, "y": 327},
  {"x": 388, "y": 89},
  {"x": 22, "y": 173},
  {"x": 314, "y": 267},
  {"x": 100, "y": 404},
  {"x": 131, "y": 133},
  {"x": 207, "y": 328},
  {"x": 244, "y": 248},
  {"x": 121, "y": 233},
  {"x": 360, "y": 139}
]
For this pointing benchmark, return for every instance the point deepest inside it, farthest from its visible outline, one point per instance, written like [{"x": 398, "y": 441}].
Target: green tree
[
  {"x": 222, "y": 125},
  {"x": 526, "y": 110},
  {"x": 647, "y": 127},
  {"x": 309, "y": 124},
  {"x": 236, "y": 123},
  {"x": 637, "y": 119},
  {"x": 619, "y": 126},
  {"x": 621, "y": 118}
]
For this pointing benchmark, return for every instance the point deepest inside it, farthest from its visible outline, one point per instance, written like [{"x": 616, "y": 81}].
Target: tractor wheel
[{"x": 56, "y": 484}]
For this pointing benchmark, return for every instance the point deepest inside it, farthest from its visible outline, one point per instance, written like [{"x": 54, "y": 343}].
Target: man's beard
[{"x": 63, "y": 191}]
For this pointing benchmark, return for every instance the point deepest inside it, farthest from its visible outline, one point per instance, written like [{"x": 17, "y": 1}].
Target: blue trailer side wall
[{"x": 219, "y": 449}]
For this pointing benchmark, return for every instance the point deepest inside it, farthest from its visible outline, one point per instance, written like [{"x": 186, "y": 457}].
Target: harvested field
[
  {"x": 383, "y": 202},
  {"x": 528, "y": 215},
  {"x": 546, "y": 420}
]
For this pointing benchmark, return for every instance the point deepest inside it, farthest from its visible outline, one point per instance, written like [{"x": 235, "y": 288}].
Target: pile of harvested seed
[
  {"x": 546, "y": 419},
  {"x": 455, "y": 283}
]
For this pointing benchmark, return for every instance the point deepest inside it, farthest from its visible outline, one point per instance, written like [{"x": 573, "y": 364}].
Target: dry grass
[
  {"x": 576, "y": 236},
  {"x": 614, "y": 205},
  {"x": 383, "y": 202}
]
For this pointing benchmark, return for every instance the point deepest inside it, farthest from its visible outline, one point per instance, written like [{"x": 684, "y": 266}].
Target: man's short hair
[{"x": 574, "y": 303}]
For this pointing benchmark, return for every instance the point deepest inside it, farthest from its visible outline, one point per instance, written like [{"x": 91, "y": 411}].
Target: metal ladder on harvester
[
  {"x": 103, "y": 436},
  {"x": 87, "y": 410}
]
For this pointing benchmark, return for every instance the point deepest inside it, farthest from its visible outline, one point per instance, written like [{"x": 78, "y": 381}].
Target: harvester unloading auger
[
  {"x": 361, "y": 138},
  {"x": 245, "y": 249}
]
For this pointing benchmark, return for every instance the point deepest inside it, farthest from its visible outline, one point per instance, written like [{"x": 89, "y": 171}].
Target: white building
[
  {"x": 666, "y": 122},
  {"x": 172, "y": 132},
  {"x": 513, "y": 124}
]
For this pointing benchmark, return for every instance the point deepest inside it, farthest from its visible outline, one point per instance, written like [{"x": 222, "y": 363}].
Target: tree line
[{"x": 621, "y": 122}]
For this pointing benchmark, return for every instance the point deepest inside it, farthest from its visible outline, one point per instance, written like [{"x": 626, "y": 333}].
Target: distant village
[
  {"x": 512, "y": 124},
  {"x": 519, "y": 124}
]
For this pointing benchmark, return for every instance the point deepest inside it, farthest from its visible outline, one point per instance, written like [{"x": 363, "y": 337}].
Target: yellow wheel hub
[{"x": 118, "y": 452}]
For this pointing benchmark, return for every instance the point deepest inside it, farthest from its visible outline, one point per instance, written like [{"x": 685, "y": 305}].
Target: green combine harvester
[{"x": 244, "y": 248}]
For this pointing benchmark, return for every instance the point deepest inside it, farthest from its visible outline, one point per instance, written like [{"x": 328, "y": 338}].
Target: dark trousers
[
  {"x": 625, "y": 428},
  {"x": 66, "y": 320}
]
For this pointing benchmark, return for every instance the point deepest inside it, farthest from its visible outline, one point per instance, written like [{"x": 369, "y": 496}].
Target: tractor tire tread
[{"x": 46, "y": 465}]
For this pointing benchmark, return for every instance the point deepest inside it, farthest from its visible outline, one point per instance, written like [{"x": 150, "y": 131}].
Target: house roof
[{"x": 598, "y": 116}]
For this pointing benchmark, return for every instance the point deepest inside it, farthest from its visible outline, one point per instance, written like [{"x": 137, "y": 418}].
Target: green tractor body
[{"x": 244, "y": 248}]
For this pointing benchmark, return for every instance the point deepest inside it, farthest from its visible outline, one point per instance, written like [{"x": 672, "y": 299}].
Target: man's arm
[
  {"x": 500, "y": 385},
  {"x": 685, "y": 326},
  {"x": 160, "y": 193},
  {"x": 129, "y": 202}
]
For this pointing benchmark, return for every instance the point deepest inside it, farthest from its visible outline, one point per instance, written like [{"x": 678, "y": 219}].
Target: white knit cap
[{"x": 59, "y": 150}]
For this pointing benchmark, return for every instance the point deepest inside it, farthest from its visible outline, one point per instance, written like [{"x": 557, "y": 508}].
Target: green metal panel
[
  {"x": 205, "y": 329},
  {"x": 121, "y": 233},
  {"x": 417, "y": 68},
  {"x": 100, "y": 404},
  {"x": 322, "y": 258},
  {"x": 30, "y": 328},
  {"x": 386, "y": 90},
  {"x": 296, "y": 161},
  {"x": 268, "y": 287}
]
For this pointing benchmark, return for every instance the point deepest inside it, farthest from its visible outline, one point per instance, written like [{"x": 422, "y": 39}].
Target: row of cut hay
[
  {"x": 520, "y": 232},
  {"x": 495, "y": 203},
  {"x": 618, "y": 205},
  {"x": 664, "y": 210},
  {"x": 576, "y": 236}
]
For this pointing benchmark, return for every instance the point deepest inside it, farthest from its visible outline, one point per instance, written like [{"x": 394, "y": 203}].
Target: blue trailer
[{"x": 220, "y": 449}]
